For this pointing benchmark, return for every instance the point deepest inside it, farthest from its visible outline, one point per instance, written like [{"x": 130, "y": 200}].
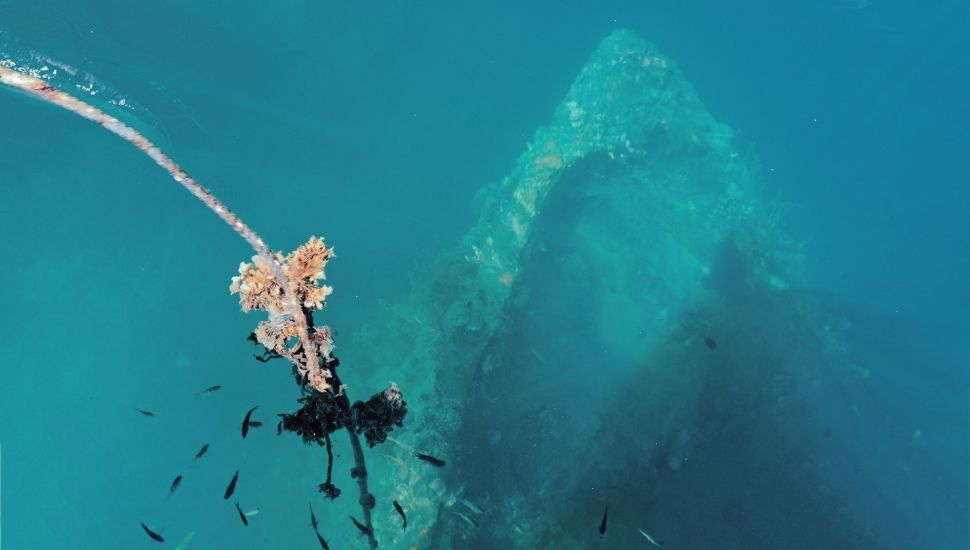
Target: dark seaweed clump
[
  {"x": 378, "y": 416},
  {"x": 321, "y": 415}
]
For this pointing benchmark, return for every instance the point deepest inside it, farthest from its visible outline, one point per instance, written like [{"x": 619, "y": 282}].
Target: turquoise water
[{"x": 377, "y": 126}]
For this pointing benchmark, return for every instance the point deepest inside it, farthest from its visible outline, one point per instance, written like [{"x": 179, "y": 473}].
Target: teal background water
[{"x": 375, "y": 125}]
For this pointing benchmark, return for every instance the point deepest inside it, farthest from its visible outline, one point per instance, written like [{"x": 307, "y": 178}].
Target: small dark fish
[
  {"x": 202, "y": 451},
  {"x": 210, "y": 389},
  {"x": 710, "y": 343},
  {"x": 363, "y": 528},
  {"x": 255, "y": 424},
  {"x": 323, "y": 543},
  {"x": 245, "y": 424},
  {"x": 175, "y": 484},
  {"x": 232, "y": 486},
  {"x": 603, "y": 523},
  {"x": 242, "y": 515},
  {"x": 434, "y": 461},
  {"x": 146, "y": 413},
  {"x": 401, "y": 512},
  {"x": 313, "y": 518},
  {"x": 155, "y": 536}
]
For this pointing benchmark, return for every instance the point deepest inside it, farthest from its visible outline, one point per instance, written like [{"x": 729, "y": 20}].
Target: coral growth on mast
[{"x": 259, "y": 289}]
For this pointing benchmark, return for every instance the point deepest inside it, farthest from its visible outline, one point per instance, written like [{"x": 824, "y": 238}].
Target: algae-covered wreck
[{"x": 624, "y": 310}]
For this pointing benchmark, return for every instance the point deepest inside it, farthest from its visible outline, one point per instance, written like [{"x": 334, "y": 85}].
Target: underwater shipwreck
[
  {"x": 620, "y": 352},
  {"x": 627, "y": 302}
]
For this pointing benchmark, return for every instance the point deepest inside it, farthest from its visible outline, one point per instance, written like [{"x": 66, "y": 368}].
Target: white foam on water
[{"x": 80, "y": 83}]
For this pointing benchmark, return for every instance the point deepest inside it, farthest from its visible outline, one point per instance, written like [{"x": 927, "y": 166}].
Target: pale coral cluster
[
  {"x": 304, "y": 269},
  {"x": 259, "y": 289},
  {"x": 393, "y": 396}
]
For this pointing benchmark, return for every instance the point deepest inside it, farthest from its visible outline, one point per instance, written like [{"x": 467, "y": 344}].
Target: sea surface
[{"x": 377, "y": 125}]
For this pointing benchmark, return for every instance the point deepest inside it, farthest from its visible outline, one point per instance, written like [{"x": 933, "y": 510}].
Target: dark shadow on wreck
[{"x": 748, "y": 445}]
